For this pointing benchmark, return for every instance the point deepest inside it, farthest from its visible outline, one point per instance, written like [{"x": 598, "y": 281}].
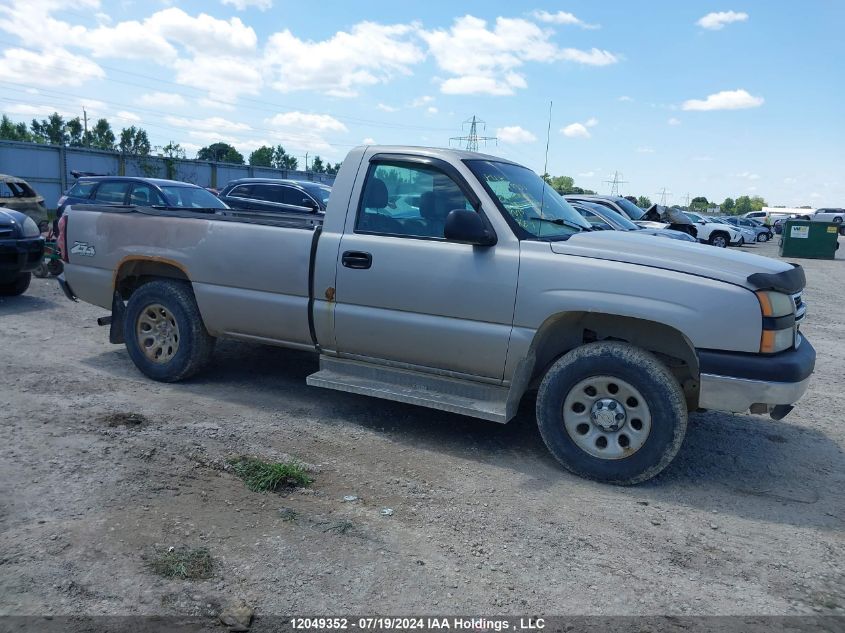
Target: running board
[{"x": 488, "y": 402}]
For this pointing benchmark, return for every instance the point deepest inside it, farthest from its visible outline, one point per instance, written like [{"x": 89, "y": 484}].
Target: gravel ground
[{"x": 100, "y": 469}]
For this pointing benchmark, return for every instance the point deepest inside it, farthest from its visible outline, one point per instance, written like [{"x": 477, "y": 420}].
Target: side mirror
[
  {"x": 467, "y": 227},
  {"x": 308, "y": 202}
]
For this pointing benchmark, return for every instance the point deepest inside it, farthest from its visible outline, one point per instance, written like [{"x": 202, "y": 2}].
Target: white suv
[
  {"x": 828, "y": 215},
  {"x": 714, "y": 233}
]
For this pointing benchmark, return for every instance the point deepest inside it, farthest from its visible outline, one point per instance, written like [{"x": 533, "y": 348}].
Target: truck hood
[{"x": 686, "y": 257}]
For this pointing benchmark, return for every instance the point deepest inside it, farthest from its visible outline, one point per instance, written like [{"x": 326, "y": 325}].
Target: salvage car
[
  {"x": 21, "y": 249},
  {"x": 276, "y": 196},
  {"x": 17, "y": 195},
  {"x": 602, "y": 218},
  {"x": 762, "y": 232},
  {"x": 715, "y": 233},
  {"x": 483, "y": 286}
]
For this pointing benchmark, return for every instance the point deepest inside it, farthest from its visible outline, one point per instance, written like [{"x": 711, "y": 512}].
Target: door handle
[{"x": 357, "y": 259}]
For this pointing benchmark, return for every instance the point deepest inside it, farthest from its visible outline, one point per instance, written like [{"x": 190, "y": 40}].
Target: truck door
[{"x": 405, "y": 293}]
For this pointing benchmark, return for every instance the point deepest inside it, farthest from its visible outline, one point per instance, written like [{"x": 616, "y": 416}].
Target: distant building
[{"x": 788, "y": 210}]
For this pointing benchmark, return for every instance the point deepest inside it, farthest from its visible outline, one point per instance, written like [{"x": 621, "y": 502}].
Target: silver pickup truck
[{"x": 459, "y": 281}]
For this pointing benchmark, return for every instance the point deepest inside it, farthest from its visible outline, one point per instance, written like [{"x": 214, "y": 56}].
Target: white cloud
[
  {"x": 386, "y": 108},
  {"x": 562, "y": 17},
  {"x": 320, "y": 122},
  {"x": 217, "y": 102},
  {"x": 128, "y": 40},
  {"x": 210, "y": 124},
  {"x": 718, "y": 19},
  {"x": 486, "y": 60},
  {"x": 39, "y": 111},
  {"x": 625, "y": 98},
  {"x": 789, "y": 180},
  {"x": 591, "y": 122},
  {"x": 369, "y": 141},
  {"x": 431, "y": 110},
  {"x": 162, "y": 100},
  {"x": 421, "y": 101},
  {"x": 238, "y": 75},
  {"x": 576, "y": 130},
  {"x": 748, "y": 175},
  {"x": 243, "y": 5},
  {"x": 645, "y": 150},
  {"x": 340, "y": 66},
  {"x": 56, "y": 67},
  {"x": 203, "y": 33},
  {"x": 674, "y": 121},
  {"x": 515, "y": 134},
  {"x": 725, "y": 100},
  {"x": 587, "y": 174},
  {"x": 129, "y": 117}
]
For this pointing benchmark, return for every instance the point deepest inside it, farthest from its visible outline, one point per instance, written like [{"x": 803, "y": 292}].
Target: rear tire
[
  {"x": 164, "y": 332},
  {"x": 576, "y": 403},
  {"x": 17, "y": 286},
  {"x": 763, "y": 237},
  {"x": 41, "y": 270}
]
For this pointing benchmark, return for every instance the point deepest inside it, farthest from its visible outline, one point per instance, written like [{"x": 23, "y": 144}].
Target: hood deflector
[{"x": 789, "y": 281}]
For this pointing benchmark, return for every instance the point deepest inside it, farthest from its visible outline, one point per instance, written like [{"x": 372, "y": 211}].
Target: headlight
[
  {"x": 30, "y": 228},
  {"x": 778, "y": 312}
]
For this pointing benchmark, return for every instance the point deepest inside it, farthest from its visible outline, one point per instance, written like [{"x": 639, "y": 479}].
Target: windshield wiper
[{"x": 560, "y": 222}]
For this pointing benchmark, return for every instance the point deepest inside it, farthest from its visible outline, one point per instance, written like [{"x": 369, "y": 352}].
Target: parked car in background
[
  {"x": 16, "y": 194},
  {"x": 621, "y": 205},
  {"x": 145, "y": 192},
  {"x": 763, "y": 232},
  {"x": 828, "y": 215},
  {"x": 603, "y": 218},
  {"x": 749, "y": 235},
  {"x": 21, "y": 249},
  {"x": 715, "y": 233},
  {"x": 269, "y": 195}
]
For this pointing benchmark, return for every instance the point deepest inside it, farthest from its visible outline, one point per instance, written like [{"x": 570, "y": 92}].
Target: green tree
[
  {"x": 332, "y": 169},
  {"x": 743, "y": 205},
  {"x": 283, "y": 160},
  {"x": 262, "y": 157},
  {"x": 52, "y": 130},
  {"x": 221, "y": 153},
  {"x": 76, "y": 132},
  {"x": 728, "y": 207},
  {"x": 699, "y": 203},
  {"x": 643, "y": 202},
  {"x": 173, "y": 151},
  {"x": 757, "y": 203},
  {"x": 318, "y": 166},
  {"x": 134, "y": 141},
  {"x": 101, "y": 136},
  {"x": 11, "y": 131}
]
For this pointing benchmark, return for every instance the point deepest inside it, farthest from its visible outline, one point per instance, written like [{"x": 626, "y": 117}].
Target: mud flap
[{"x": 118, "y": 314}]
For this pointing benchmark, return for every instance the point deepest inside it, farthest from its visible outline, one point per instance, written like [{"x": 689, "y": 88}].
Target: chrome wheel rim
[
  {"x": 762, "y": 237},
  {"x": 157, "y": 333},
  {"x": 606, "y": 417},
  {"x": 719, "y": 241}
]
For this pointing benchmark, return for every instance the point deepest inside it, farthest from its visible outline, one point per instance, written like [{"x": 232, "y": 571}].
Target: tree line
[{"x": 134, "y": 141}]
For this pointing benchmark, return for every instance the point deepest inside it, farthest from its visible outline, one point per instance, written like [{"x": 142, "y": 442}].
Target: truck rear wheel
[
  {"x": 17, "y": 286},
  {"x": 612, "y": 412},
  {"x": 164, "y": 332}
]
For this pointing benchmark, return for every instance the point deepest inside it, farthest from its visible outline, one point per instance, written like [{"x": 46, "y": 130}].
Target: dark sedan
[
  {"x": 267, "y": 195},
  {"x": 603, "y": 218},
  {"x": 146, "y": 192}
]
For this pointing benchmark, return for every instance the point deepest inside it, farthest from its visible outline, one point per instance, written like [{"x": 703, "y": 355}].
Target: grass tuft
[
  {"x": 185, "y": 563},
  {"x": 261, "y": 476}
]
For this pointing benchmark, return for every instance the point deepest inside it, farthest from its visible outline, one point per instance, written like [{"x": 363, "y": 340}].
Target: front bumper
[
  {"x": 736, "y": 382},
  {"x": 20, "y": 255}
]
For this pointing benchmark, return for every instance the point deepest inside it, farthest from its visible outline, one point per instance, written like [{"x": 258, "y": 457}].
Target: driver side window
[{"x": 408, "y": 200}]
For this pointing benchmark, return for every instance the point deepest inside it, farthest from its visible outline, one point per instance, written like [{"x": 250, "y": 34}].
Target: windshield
[
  {"x": 321, "y": 193},
  {"x": 532, "y": 205},
  {"x": 694, "y": 217},
  {"x": 633, "y": 211},
  {"x": 192, "y": 198}
]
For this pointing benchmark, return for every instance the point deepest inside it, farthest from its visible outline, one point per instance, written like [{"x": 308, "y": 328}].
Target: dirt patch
[{"x": 128, "y": 419}]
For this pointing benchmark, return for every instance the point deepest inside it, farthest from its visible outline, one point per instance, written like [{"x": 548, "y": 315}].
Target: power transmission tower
[
  {"x": 472, "y": 138},
  {"x": 85, "y": 134},
  {"x": 686, "y": 201},
  {"x": 663, "y": 196},
  {"x": 614, "y": 184}
]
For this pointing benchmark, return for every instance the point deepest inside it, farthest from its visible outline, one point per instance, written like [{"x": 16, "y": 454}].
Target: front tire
[
  {"x": 164, "y": 332},
  {"x": 17, "y": 286},
  {"x": 719, "y": 240},
  {"x": 763, "y": 237},
  {"x": 611, "y": 412}
]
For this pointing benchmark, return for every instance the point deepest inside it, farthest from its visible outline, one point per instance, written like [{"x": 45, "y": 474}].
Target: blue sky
[{"x": 702, "y": 98}]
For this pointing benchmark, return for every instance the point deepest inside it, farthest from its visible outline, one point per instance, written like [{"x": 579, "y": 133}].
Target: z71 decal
[{"x": 83, "y": 248}]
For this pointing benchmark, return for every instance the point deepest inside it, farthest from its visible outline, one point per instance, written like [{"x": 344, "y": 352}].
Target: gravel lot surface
[{"x": 101, "y": 469}]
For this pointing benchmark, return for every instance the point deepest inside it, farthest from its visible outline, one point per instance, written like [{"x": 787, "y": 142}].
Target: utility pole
[
  {"x": 614, "y": 184},
  {"x": 473, "y": 138},
  {"x": 85, "y": 119},
  {"x": 306, "y": 161}
]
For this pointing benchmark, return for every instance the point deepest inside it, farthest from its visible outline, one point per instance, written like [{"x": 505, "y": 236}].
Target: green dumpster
[{"x": 814, "y": 240}]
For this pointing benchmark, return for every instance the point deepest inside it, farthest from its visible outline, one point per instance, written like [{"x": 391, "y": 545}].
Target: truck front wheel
[
  {"x": 164, "y": 332},
  {"x": 612, "y": 412}
]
